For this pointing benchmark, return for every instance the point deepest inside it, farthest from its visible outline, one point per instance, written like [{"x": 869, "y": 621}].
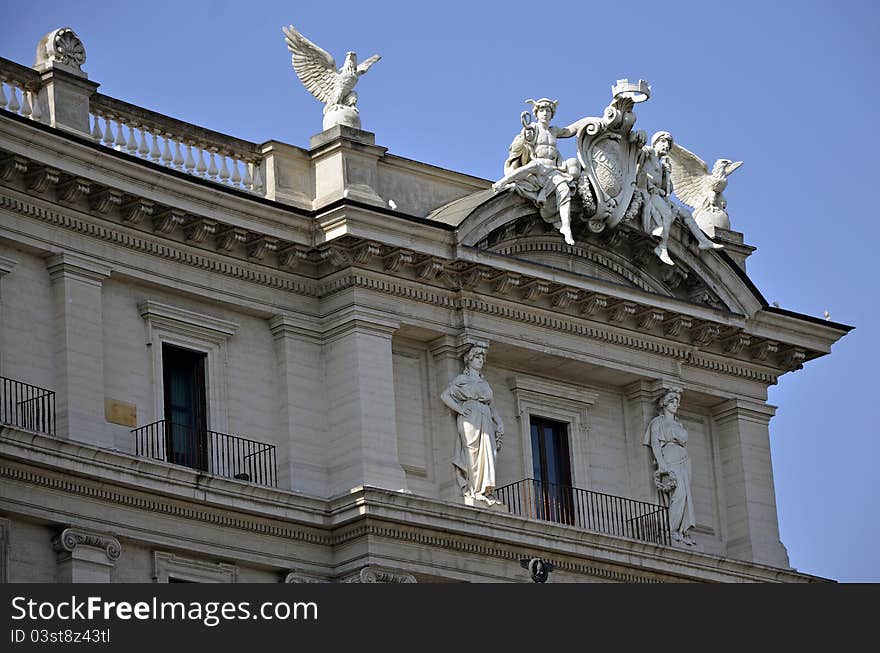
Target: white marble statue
[
  {"x": 654, "y": 180},
  {"x": 480, "y": 429},
  {"x": 699, "y": 189},
  {"x": 536, "y": 170},
  {"x": 668, "y": 439},
  {"x": 316, "y": 69}
]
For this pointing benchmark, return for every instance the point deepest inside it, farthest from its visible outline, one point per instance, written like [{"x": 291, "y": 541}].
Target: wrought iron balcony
[
  {"x": 220, "y": 454},
  {"x": 593, "y": 511},
  {"x": 27, "y": 406}
]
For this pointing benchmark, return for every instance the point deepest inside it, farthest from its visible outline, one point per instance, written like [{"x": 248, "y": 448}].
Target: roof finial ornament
[{"x": 316, "y": 69}]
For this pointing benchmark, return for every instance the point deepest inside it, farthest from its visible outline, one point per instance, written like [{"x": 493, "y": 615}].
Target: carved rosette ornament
[
  {"x": 61, "y": 46},
  {"x": 70, "y": 538}
]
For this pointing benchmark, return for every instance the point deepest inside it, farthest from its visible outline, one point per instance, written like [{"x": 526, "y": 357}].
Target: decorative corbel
[
  {"x": 336, "y": 256},
  {"x": 227, "y": 239},
  {"x": 535, "y": 289},
  {"x": 430, "y": 269},
  {"x": 292, "y": 255},
  {"x": 764, "y": 349},
  {"x": 649, "y": 318},
  {"x": 397, "y": 259},
  {"x": 563, "y": 298},
  {"x": 793, "y": 359},
  {"x": 70, "y": 189},
  {"x": 135, "y": 209},
  {"x": 505, "y": 282},
  {"x": 677, "y": 324},
  {"x": 166, "y": 221},
  {"x": 705, "y": 334},
  {"x": 621, "y": 310},
  {"x": 258, "y": 247},
  {"x": 39, "y": 178},
  {"x": 105, "y": 199},
  {"x": 365, "y": 251},
  {"x": 736, "y": 343},
  {"x": 593, "y": 303},
  {"x": 11, "y": 164},
  {"x": 199, "y": 229}
]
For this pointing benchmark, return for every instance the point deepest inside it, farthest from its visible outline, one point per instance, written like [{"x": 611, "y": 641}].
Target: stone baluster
[
  {"x": 36, "y": 111},
  {"x": 166, "y": 150},
  {"x": 155, "y": 154},
  {"x": 212, "y": 168},
  {"x": 248, "y": 181},
  {"x": 224, "y": 170},
  {"x": 236, "y": 175},
  {"x": 258, "y": 179},
  {"x": 201, "y": 168},
  {"x": 143, "y": 150},
  {"x": 177, "y": 162},
  {"x": 13, "y": 105},
  {"x": 25, "y": 103},
  {"x": 108, "y": 132},
  {"x": 190, "y": 163},
  {"x": 96, "y": 130},
  {"x": 131, "y": 145},
  {"x": 119, "y": 143},
  {"x": 3, "y": 100}
]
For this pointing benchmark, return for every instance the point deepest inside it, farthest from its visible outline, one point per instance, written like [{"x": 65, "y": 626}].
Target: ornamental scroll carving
[
  {"x": 378, "y": 575},
  {"x": 70, "y": 538}
]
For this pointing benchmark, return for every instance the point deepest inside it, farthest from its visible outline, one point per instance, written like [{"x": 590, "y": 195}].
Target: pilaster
[
  {"x": 752, "y": 526},
  {"x": 79, "y": 346},
  {"x": 85, "y": 556},
  {"x": 302, "y": 411},
  {"x": 6, "y": 266},
  {"x": 359, "y": 390}
]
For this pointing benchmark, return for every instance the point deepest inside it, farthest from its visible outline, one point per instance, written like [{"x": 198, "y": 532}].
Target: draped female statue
[
  {"x": 667, "y": 439},
  {"x": 480, "y": 429}
]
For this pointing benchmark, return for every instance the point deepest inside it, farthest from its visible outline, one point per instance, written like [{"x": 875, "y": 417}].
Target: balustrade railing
[
  {"x": 176, "y": 144},
  {"x": 20, "y": 91},
  {"x": 27, "y": 406},
  {"x": 594, "y": 511},
  {"x": 216, "y": 453}
]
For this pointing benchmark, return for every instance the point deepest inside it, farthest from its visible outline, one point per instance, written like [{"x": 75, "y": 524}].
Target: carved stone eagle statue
[
  {"x": 316, "y": 69},
  {"x": 699, "y": 189}
]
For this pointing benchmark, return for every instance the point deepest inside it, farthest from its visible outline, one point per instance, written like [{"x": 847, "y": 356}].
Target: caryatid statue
[{"x": 316, "y": 69}]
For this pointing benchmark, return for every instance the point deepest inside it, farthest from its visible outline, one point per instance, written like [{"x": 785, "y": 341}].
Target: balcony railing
[
  {"x": 27, "y": 406},
  {"x": 215, "y": 453},
  {"x": 593, "y": 511}
]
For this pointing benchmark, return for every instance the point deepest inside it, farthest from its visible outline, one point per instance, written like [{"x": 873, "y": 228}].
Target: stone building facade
[{"x": 298, "y": 331}]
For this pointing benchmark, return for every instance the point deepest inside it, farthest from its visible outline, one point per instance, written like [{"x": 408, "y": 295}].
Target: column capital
[
  {"x": 743, "y": 409},
  {"x": 361, "y": 319},
  {"x": 71, "y": 539},
  {"x": 66, "y": 265},
  {"x": 6, "y": 265}
]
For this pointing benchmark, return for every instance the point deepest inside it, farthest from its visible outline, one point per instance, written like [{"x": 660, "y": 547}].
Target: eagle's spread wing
[
  {"x": 688, "y": 174},
  {"x": 314, "y": 66},
  {"x": 364, "y": 65}
]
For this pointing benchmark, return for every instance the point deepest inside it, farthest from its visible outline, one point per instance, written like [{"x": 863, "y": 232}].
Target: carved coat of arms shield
[{"x": 608, "y": 158}]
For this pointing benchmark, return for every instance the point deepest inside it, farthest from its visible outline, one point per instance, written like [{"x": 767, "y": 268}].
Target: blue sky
[{"x": 788, "y": 87}]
